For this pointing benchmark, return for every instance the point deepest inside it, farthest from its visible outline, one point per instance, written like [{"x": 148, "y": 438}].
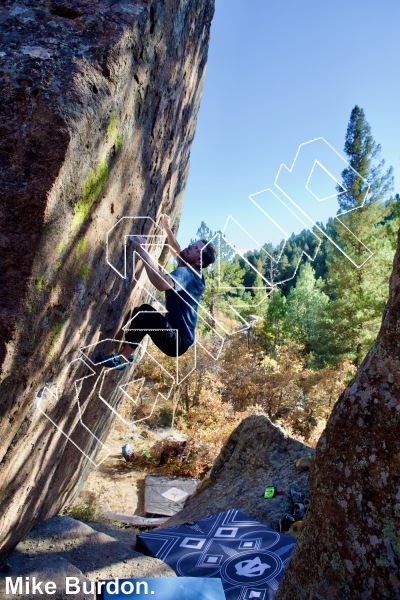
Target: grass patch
[
  {"x": 82, "y": 512},
  {"x": 30, "y": 308},
  {"x": 91, "y": 189}
]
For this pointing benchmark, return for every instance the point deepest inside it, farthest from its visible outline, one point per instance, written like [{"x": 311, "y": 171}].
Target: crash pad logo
[{"x": 251, "y": 567}]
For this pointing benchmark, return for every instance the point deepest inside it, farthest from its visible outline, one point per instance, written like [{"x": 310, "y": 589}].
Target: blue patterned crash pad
[
  {"x": 249, "y": 557},
  {"x": 163, "y": 588}
]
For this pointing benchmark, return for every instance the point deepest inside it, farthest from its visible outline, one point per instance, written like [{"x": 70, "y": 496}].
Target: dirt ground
[{"x": 118, "y": 485}]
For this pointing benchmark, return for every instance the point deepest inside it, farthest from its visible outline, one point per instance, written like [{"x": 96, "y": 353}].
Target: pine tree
[
  {"x": 363, "y": 156},
  {"x": 391, "y": 222},
  {"x": 270, "y": 266},
  {"x": 359, "y": 293},
  {"x": 275, "y": 327},
  {"x": 254, "y": 301},
  {"x": 306, "y": 306},
  {"x": 222, "y": 277}
]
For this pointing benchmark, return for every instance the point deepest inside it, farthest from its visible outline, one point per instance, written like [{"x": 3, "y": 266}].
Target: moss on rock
[{"x": 91, "y": 188}]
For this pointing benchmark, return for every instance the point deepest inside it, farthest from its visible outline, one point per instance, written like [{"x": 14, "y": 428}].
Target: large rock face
[
  {"x": 350, "y": 546},
  {"x": 62, "y": 547},
  {"x": 257, "y": 454},
  {"x": 98, "y": 111}
]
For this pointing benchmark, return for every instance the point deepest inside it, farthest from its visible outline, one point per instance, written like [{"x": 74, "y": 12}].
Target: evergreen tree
[
  {"x": 306, "y": 306},
  {"x": 270, "y": 267},
  {"x": 391, "y": 221},
  {"x": 363, "y": 156},
  {"x": 275, "y": 328},
  {"x": 251, "y": 278},
  {"x": 254, "y": 301},
  {"x": 359, "y": 292},
  {"x": 222, "y": 277}
]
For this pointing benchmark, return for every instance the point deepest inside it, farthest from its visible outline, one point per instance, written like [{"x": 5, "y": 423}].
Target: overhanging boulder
[{"x": 98, "y": 112}]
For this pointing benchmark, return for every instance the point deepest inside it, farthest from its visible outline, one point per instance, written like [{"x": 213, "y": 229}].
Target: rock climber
[{"x": 173, "y": 333}]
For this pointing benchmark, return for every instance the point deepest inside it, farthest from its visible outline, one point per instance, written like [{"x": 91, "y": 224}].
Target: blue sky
[{"x": 280, "y": 74}]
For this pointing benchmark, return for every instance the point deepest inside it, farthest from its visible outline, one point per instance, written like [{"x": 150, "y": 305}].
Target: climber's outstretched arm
[
  {"x": 175, "y": 247},
  {"x": 161, "y": 281}
]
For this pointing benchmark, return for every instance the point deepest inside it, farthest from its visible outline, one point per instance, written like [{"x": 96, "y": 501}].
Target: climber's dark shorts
[{"x": 146, "y": 320}]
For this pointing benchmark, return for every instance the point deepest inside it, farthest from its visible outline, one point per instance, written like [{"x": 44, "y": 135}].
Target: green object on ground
[{"x": 271, "y": 491}]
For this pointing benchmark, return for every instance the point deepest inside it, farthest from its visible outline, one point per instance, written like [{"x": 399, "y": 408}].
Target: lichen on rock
[{"x": 91, "y": 188}]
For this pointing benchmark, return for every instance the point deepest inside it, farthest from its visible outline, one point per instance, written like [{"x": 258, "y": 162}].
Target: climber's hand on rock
[
  {"x": 166, "y": 222},
  {"x": 137, "y": 242}
]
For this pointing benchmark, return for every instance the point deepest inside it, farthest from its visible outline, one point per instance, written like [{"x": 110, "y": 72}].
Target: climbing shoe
[
  {"x": 295, "y": 496},
  {"x": 114, "y": 361},
  {"x": 298, "y": 511},
  {"x": 286, "y": 522}
]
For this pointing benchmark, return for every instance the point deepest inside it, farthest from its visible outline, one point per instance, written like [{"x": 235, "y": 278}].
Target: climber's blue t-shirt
[{"x": 182, "y": 302}]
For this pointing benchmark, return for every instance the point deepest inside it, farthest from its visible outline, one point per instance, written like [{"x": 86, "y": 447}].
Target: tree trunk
[{"x": 350, "y": 545}]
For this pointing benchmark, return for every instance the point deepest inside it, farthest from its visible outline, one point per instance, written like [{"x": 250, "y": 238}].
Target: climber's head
[{"x": 199, "y": 253}]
